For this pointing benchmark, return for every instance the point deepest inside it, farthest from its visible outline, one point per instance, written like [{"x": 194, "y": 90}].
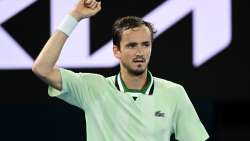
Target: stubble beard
[{"x": 134, "y": 72}]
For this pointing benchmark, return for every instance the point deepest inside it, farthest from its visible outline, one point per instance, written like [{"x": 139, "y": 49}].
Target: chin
[{"x": 137, "y": 72}]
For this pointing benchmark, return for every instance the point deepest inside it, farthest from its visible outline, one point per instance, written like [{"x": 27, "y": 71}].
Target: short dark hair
[{"x": 128, "y": 22}]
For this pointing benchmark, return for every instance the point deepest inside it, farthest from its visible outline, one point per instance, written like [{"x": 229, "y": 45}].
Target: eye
[
  {"x": 131, "y": 45},
  {"x": 147, "y": 44}
]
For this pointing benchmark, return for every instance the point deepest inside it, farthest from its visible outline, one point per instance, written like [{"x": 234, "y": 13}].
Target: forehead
[{"x": 141, "y": 33}]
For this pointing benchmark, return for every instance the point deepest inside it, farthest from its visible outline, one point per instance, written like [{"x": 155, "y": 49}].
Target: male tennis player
[{"x": 130, "y": 106}]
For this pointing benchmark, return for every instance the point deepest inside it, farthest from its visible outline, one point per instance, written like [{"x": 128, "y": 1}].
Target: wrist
[
  {"x": 68, "y": 24},
  {"x": 76, "y": 15}
]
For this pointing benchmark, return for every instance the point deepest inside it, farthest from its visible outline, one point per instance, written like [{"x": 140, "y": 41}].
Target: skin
[
  {"x": 44, "y": 65},
  {"x": 134, "y": 55},
  {"x": 133, "y": 73}
]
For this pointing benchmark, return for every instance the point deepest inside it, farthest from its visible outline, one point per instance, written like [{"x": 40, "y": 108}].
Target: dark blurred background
[{"x": 219, "y": 88}]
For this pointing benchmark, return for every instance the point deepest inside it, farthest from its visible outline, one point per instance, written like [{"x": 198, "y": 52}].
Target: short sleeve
[
  {"x": 76, "y": 88},
  {"x": 187, "y": 126}
]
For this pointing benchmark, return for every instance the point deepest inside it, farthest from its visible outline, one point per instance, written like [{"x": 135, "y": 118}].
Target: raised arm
[{"x": 44, "y": 65}]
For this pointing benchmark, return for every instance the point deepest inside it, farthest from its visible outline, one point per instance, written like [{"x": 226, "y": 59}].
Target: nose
[{"x": 139, "y": 50}]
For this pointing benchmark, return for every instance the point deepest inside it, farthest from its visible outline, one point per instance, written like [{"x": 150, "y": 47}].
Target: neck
[{"x": 134, "y": 81}]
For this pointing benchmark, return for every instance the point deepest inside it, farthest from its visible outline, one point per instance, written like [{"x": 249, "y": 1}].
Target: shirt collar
[{"x": 147, "y": 89}]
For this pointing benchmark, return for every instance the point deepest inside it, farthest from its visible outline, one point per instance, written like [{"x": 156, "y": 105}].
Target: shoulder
[
  {"x": 70, "y": 73},
  {"x": 111, "y": 78},
  {"x": 81, "y": 76},
  {"x": 94, "y": 79},
  {"x": 91, "y": 76},
  {"x": 169, "y": 88},
  {"x": 166, "y": 84}
]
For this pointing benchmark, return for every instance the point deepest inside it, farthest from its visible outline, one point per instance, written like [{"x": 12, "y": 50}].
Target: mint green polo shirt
[{"x": 113, "y": 115}]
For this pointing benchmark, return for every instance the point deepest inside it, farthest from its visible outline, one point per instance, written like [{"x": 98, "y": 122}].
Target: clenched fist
[{"x": 85, "y": 8}]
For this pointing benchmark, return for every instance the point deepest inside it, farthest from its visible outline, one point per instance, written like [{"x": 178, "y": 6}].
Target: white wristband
[{"x": 68, "y": 24}]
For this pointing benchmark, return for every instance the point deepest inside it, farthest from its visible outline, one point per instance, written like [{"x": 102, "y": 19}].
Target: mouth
[{"x": 139, "y": 60}]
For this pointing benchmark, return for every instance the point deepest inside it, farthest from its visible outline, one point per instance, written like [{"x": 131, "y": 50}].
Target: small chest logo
[{"x": 159, "y": 114}]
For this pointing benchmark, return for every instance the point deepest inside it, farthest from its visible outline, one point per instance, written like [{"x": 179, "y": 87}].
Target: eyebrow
[
  {"x": 135, "y": 43},
  {"x": 131, "y": 43},
  {"x": 146, "y": 42}
]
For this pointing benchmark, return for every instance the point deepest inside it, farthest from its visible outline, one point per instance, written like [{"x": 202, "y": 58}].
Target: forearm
[
  {"x": 49, "y": 55},
  {"x": 44, "y": 65}
]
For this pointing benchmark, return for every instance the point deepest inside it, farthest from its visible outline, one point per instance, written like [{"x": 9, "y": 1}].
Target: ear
[{"x": 116, "y": 52}]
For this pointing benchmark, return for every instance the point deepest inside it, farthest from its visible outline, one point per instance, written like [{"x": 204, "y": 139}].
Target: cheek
[
  {"x": 148, "y": 53},
  {"x": 128, "y": 54}
]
